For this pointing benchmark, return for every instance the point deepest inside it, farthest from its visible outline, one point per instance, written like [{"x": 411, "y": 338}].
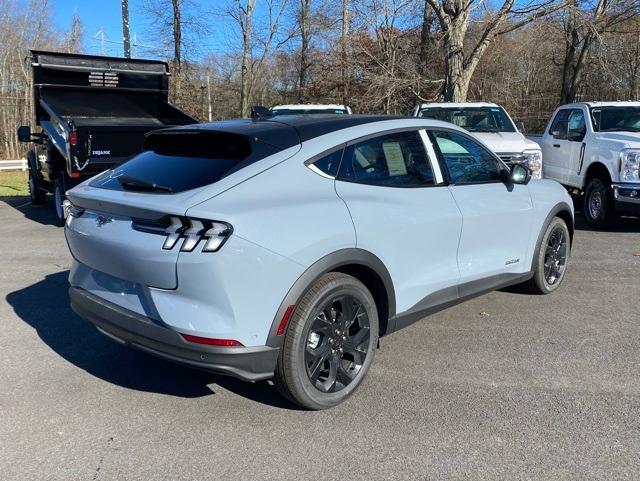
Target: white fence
[{"x": 13, "y": 164}]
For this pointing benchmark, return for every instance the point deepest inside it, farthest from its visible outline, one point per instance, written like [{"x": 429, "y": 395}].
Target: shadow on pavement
[
  {"x": 42, "y": 214},
  {"x": 45, "y": 307}
]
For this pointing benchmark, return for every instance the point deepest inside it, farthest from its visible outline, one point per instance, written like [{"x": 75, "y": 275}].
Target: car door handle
[{"x": 556, "y": 145}]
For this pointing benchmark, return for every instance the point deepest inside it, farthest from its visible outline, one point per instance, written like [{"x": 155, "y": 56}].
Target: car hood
[
  {"x": 506, "y": 142},
  {"x": 627, "y": 139}
]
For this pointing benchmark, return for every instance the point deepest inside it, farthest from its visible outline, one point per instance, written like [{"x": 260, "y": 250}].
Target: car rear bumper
[
  {"x": 140, "y": 332},
  {"x": 627, "y": 197}
]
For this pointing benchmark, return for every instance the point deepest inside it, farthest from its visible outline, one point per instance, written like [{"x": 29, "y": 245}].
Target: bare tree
[
  {"x": 305, "y": 37},
  {"x": 344, "y": 52},
  {"x": 584, "y": 27},
  {"x": 454, "y": 16}
]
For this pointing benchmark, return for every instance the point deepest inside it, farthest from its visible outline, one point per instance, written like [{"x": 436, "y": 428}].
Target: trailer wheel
[
  {"x": 58, "y": 199},
  {"x": 36, "y": 192}
]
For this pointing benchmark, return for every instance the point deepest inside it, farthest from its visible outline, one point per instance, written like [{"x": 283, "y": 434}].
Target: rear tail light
[
  {"x": 211, "y": 341},
  {"x": 71, "y": 210},
  {"x": 189, "y": 231},
  {"x": 73, "y": 138}
]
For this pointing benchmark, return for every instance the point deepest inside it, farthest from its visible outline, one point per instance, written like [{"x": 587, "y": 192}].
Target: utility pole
[
  {"x": 209, "y": 96},
  {"x": 126, "y": 36}
]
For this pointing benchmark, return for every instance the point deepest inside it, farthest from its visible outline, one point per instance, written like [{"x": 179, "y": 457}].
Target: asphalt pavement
[{"x": 506, "y": 386}]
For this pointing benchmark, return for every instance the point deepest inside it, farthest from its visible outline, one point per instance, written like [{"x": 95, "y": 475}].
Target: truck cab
[
  {"x": 491, "y": 124},
  {"x": 593, "y": 149}
]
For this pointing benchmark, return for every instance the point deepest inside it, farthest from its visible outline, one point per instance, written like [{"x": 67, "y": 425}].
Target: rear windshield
[
  {"x": 182, "y": 161},
  {"x": 474, "y": 119}
]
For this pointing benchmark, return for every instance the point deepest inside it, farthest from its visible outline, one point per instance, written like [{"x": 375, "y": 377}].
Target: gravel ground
[{"x": 505, "y": 386}]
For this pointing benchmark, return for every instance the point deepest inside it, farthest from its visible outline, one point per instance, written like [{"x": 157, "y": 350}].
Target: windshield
[
  {"x": 474, "y": 119},
  {"x": 308, "y": 111},
  {"x": 616, "y": 119}
]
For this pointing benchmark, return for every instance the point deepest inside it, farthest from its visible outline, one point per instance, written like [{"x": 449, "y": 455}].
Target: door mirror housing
[
  {"x": 24, "y": 133},
  {"x": 520, "y": 127},
  {"x": 575, "y": 135},
  {"x": 520, "y": 174}
]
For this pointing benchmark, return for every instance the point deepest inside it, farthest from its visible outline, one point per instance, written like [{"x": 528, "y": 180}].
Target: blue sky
[{"x": 97, "y": 14}]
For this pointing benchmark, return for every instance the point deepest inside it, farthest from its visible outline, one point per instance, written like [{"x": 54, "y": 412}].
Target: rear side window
[
  {"x": 329, "y": 163},
  {"x": 177, "y": 162},
  {"x": 395, "y": 160}
]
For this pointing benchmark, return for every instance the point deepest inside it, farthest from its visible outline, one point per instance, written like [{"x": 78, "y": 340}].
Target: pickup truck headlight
[
  {"x": 533, "y": 159},
  {"x": 630, "y": 165}
]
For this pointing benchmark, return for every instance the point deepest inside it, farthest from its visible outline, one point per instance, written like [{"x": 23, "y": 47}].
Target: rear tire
[
  {"x": 36, "y": 193},
  {"x": 329, "y": 343},
  {"x": 58, "y": 199},
  {"x": 552, "y": 255},
  {"x": 598, "y": 203}
]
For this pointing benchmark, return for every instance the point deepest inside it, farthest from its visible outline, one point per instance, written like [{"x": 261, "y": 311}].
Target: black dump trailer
[{"x": 93, "y": 113}]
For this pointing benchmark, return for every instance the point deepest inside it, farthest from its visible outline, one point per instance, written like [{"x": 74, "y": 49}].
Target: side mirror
[
  {"x": 24, "y": 133},
  {"x": 520, "y": 127},
  {"x": 520, "y": 174}
]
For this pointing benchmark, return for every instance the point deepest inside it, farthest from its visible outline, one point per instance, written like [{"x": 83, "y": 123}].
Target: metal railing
[{"x": 13, "y": 164}]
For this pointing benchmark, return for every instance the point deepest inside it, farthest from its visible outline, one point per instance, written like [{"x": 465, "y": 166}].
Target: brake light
[
  {"x": 210, "y": 341},
  {"x": 73, "y": 138},
  {"x": 75, "y": 175}
]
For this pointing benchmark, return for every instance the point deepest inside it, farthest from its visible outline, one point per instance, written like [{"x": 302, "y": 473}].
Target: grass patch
[{"x": 13, "y": 183}]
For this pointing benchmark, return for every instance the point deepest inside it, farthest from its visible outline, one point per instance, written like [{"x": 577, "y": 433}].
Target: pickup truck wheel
[
  {"x": 36, "y": 194},
  {"x": 58, "y": 199},
  {"x": 551, "y": 259},
  {"x": 598, "y": 203},
  {"x": 329, "y": 343}
]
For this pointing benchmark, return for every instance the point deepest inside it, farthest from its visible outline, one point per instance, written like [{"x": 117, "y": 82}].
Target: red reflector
[
  {"x": 75, "y": 175},
  {"x": 285, "y": 320},
  {"x": 73, "y": 138},
  {"x": 211, "y": 341}
]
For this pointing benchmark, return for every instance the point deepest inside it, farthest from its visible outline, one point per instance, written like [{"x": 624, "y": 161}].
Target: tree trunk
[
  {"x": 126, "y": 36},
  {"x": 426, "y": 40},
  {"x": 246, "y": 58},
  {"x": 344, "y": 45},
  {"x": 177, "y": 47},
  {"x": 305, "y": 35},
  {"x": 457, "y": 78}
]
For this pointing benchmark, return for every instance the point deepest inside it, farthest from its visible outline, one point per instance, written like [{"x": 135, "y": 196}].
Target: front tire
[
  {"x": 552, "y": 254},
  {"x": 598, "y": 204},
  {"x": 329, "y": 343}
]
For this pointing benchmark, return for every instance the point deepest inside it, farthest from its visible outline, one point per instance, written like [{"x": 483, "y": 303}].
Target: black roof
[{"x": 283, "y": 131}]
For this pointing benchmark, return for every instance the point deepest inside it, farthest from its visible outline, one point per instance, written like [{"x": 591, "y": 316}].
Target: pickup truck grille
[{"x": 506, "y": 157}]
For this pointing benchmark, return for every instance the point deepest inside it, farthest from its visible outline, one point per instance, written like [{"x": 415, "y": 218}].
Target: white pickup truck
[
  {"x": 593, "y": 148},
  {"x": 492, "y": 125}
]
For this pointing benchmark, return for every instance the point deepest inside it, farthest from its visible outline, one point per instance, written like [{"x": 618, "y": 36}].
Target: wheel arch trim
[
  {"x": 328, "y": 263},
  {"x": 560, "y": 207}
]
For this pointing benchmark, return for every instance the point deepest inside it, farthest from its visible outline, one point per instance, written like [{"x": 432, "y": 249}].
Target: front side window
[
  {"x": 467, "y": 162},
  {"x": 396, "y": 160},
  {"x": 560, "y": 125},
  {"x": 474, "y": 119}
]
